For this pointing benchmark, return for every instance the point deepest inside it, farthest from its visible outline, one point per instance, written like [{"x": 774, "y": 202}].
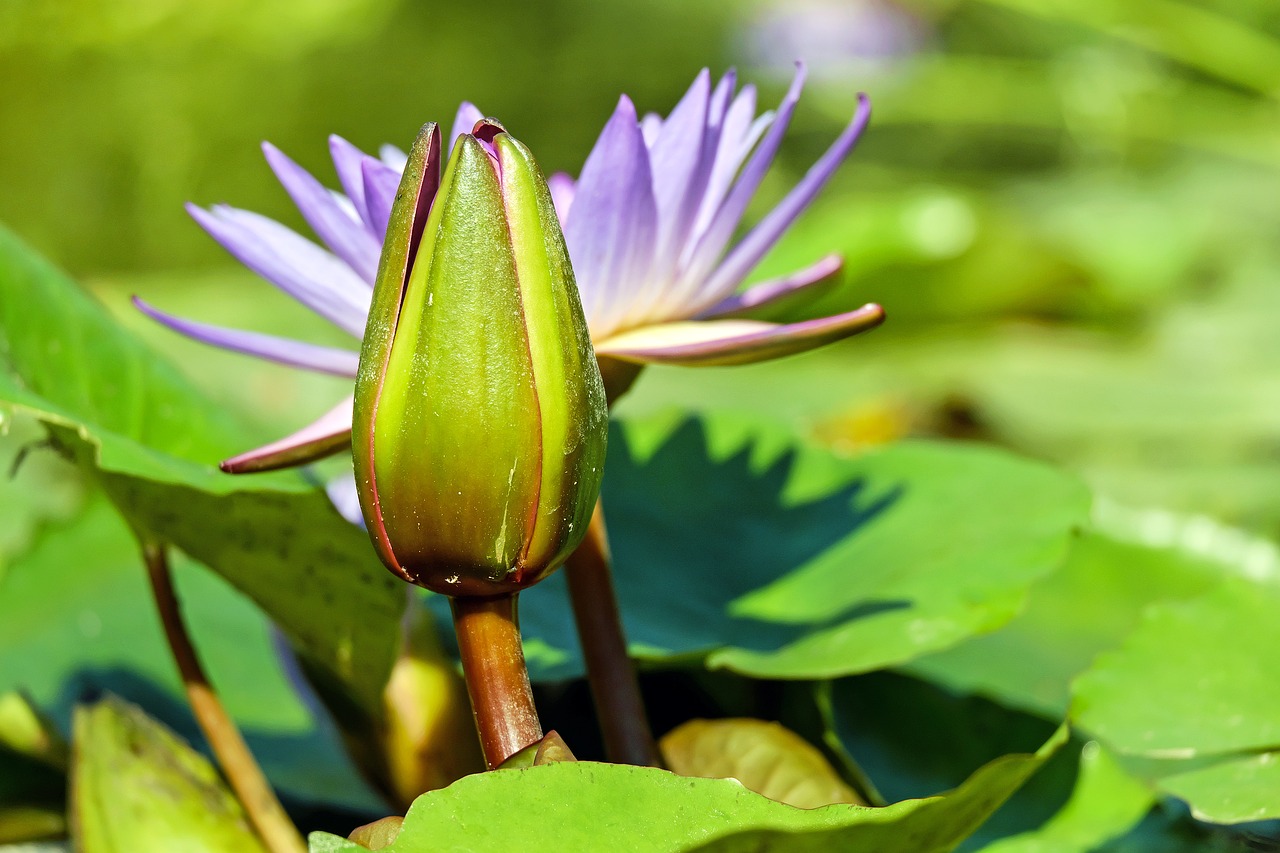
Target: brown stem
[
  {"x": 614, "y": 687},
  {"x": 497, "y": 680},
  {"x": 242, "y": 771}
]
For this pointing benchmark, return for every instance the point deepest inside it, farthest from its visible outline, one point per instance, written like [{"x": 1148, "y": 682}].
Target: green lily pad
[
  {"x": 1192, "y": 679},
  {"x": 323, "y": 842},
  {"x": 913, "y": 739},
  {"x": 1238, "y": 789},
  {"x": 311, "y": 572},
  {"x": 25, "y": 730},
  {"x": 1189, "y": 696},
  {"x": 1106, "y": 803},
  {"x": 1148, "y": 685},
  {"x": 1086, "y": 607},
  {"x": 771, "y": 558},
  {"x": 572, "y": 805},
  {"x": 36, "y": 485},
  {"x": 1168, "y": 829},
  {"x": 126, "y": 415}
]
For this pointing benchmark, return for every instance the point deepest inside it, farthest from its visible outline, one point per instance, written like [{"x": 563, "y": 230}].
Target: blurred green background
[{"x": 1068, "y": 209}]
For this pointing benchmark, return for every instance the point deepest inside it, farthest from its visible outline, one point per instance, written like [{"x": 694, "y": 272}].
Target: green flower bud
[
  {"x": 136, "y": 786},
  {"x": 480, "y": 416}
]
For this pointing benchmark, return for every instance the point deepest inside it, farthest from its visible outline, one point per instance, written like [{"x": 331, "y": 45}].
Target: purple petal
[
  {"x": 327, "y": 435},
  {"x": 780, "y": 294},
  {"x": 678, "y": 158},
  {"x": 465, "y": 119},
  {"x": 717, "y": 111},
  {"x": 346, "y": 235},
  {"x": 762, "y": 238},
  {"x": 724, "y": 342},
  {"x": 720, "y": 98},
  {"x": 393, "y": 157},
  {"x": 650, "y": 127},
  {"x": 380, "y": 185},
  {"x": 338, "y": 362},
  {"x": 297, "y": 266},
  {"x": 739, "y": 131},
  {"x": 725, "y": 219},
  {"x": 612, "y": 225},
  {"x": 562, "y": 188},
  {"x": 346, "y": 162},
  {"x": 345, "y": 499}
]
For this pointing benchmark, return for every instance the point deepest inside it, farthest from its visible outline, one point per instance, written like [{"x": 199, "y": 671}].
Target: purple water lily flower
[
  {"x": 648, "y": 224},
  {"x": 650, "y": 219}
]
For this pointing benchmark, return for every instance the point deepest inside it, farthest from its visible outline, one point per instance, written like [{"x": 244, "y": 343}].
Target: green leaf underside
[
  {"x": 774, "y": 559},
  {"x": 572, "y": 805},
  {"x": 71, "y": 626},
  {"x": 126, "y": 414},
  {"x": 67, "y": 362},
  {"x": 314, "y": 574}
]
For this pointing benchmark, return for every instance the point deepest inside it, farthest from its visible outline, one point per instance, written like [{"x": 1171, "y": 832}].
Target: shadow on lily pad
[{"x": 690, "y": 535}]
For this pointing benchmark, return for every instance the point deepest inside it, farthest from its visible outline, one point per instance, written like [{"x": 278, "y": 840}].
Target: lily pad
[
  {"x": 1191, "y": 699},
  {"x": 572, "y": 805},
  {"x": 1238, "y": 789},
  {"x": 1086, "y": 607},
  {"x": 1106, "y": 803},
  {"x": 1192, "y": 679},
  {"x": 914, "y": 739},
  {"x": 67, "y": 362},
  {"x": 735, "y": 543}
]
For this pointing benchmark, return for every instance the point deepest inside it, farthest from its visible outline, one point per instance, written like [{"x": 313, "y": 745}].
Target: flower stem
[
  {"x": 614, "y": 686},
  {"x": 497, "y": 680},
  {"x": 243, "y": 773}
]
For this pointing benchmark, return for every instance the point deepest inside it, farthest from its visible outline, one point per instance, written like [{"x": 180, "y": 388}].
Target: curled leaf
[
  {"x": 765, "y": 757},
  {"x": 379, "y": 834}
]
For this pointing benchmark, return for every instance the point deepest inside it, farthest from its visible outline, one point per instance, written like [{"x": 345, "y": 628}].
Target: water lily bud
[
  {"x": 136, "y": 786},
  {"x": 480, "y": 416}
]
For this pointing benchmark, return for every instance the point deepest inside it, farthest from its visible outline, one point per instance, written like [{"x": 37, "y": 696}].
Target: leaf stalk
[{"x": 239, "y": 766}]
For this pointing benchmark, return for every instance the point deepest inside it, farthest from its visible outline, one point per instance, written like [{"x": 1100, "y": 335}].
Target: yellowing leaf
[{"x": 765, "y": 757}]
